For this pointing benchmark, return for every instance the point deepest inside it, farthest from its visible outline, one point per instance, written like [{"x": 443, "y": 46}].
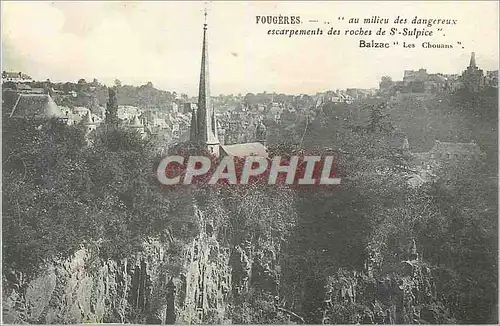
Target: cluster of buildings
[
  {"x": 240, "y": 130},
  {"x": 15, "y": 77},
  {"x": 24, "y": 98},
  {"x": 241, "y": 121},
  {"x": 39, "y": 104},
  {"x": 344, "y": 96},
  {"x": 423, "y": 167},
  {"x": 24, "y": 87},
  {"x": 42, "y": 106},
  {"x": 420, "y": 81}
]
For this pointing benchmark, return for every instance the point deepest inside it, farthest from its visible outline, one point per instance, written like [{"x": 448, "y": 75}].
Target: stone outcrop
[
  {"x": 206, "y": 282},
  {"x": 85, "y": 288},
  {"x": 143, "y": 288},
  {"x": 373, "y": 297}
]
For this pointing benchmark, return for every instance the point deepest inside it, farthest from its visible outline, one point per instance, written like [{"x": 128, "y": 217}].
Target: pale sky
[{"x": 161, "y": 42}]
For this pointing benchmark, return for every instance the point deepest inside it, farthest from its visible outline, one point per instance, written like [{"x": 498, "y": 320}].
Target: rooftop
[
  {"x": 35, "y": 106},
  {"x": 246, "y": 149}
]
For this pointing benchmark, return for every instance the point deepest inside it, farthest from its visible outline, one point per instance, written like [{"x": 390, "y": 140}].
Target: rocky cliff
[
  {"x": 211, "y": 281},
  {"x": 143, "y": 288}
]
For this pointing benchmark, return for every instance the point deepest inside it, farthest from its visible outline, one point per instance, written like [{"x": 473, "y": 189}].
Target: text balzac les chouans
[{"x": 413, "y": 32}]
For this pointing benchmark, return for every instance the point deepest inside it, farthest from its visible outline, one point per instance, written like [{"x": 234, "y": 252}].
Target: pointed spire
[
  {"x": 204, "y": 88},
  {"x": 88, "y": 119},
  {"x": 136, "y": 122},
  {"x": 472, "y": 60},
  {"x": 206, "y": 120},
  {"x": 52, "y": 109}
]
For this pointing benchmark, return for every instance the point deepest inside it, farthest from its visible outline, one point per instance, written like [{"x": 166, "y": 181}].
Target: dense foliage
[
  {"x": 59, "y": 193},
  {"x": 374, "y": 218},
  {"x": 346, "y": 254},
  {"x": 111, "y": 114},
  {"x": 349, "y": 257}
]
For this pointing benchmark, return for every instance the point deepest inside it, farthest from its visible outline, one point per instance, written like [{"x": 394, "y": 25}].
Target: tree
[
  {"x": 112, "y": 109},
  {"x": 462, "y": 239},
  {"x": 250, "y": 99},
  {"x": 118, "y": 83},
  {"x": 42, "y": 169},
  {"x": 62, "y": 194},
  {"x": 386, "y": 82},
  {"x": 378, "y": 119}
]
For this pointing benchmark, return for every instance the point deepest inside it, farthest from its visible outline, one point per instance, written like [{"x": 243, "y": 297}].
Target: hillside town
[
  {"x": 93, "y": 232},
  {"x": 240, "y": 119}
]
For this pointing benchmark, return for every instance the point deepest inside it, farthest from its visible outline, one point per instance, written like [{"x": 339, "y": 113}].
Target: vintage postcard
[{"x": 250, "y": 162}]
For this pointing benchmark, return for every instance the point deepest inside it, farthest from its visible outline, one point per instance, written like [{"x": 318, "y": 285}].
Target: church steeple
[
  {"x": 205, "y": 130},
  {"x": 472, "y": 63},
  {"x": 472, "y": 77}
]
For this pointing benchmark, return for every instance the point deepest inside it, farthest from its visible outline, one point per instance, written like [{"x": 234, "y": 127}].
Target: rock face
[
  {"x": 206, "y": 283},
  {"x": 86, "y": 288},
  {"x": 210, "y": 279},
  {"x": 369, "y": 297}
]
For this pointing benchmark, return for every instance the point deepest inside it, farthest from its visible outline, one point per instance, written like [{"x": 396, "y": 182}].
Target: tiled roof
[
  {"x": 23, "y": 86},
  {"x": 36, "y": 106},
  {"x": 87, "y": 119},
  {"x": 246, "y": 149}
]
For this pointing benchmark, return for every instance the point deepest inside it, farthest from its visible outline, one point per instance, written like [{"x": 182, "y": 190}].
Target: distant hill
[
  {"x": 456, "y": 117},
  {"x": 95, "y": 94}
]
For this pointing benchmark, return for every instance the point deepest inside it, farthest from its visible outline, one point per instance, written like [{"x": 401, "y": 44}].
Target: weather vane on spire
[{"x": 205, "y": 12}]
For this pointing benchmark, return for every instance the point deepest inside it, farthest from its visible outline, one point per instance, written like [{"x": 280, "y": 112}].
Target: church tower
[
  {"x": 473, "y": 77},
  {"x": 204, "y": 123},
  {"x": 472, "y": 62}
]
